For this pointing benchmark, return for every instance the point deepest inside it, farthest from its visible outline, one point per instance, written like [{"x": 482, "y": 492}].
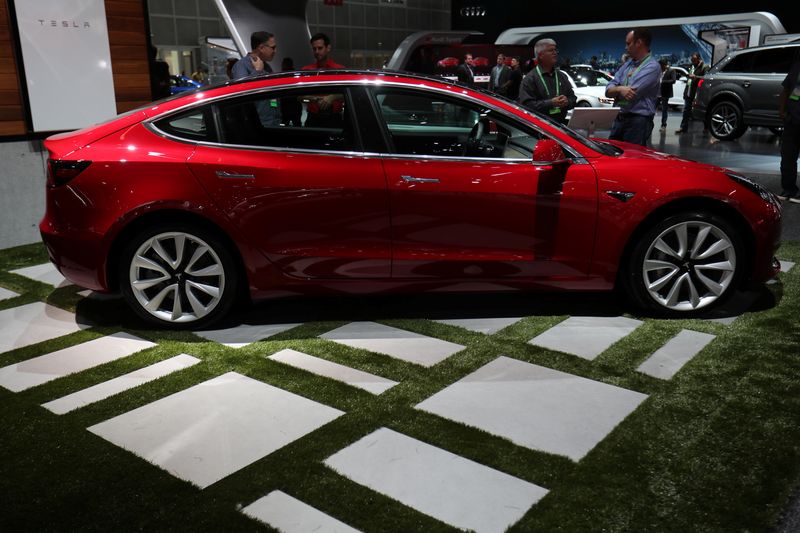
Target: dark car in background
[{"x": 742, "y": 90}]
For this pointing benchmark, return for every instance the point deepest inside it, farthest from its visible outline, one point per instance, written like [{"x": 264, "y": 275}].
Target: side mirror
[{"x": 548, "y": 151}]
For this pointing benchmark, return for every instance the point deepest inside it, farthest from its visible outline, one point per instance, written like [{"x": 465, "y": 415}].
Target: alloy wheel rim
[
  {"x": 724, "y": 120},
  {"x": 177, "y": 277},
  {"x": 689, "y": 266}
]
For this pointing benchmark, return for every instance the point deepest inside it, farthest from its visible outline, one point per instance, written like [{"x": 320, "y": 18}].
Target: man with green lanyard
[
  {"x": 545, "y": 89},
  {"x": 789, "y": 111},
  {"x": 635, "y": 89}
]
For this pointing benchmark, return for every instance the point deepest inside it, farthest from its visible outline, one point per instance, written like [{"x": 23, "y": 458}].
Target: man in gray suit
[{"x": 498, "y": 80}]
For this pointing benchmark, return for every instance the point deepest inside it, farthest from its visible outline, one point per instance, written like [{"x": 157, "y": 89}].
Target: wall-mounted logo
[
  {"x": 473, "y": 11},
  {"x": 69, "y": 24}
]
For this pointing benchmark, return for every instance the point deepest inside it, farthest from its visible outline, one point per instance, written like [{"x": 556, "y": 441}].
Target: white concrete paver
[
  {"x": 45, "y": 273},
  {"x": 487, "y": 326},
  {"x": 114, "y": 386},
  {"x": 438, "y": 483},
  {"x": 535, "y": 406},
  {"x": 290, "y": 515},
  {"x": 244, "y": 334},
  {"x": 786, "y": 266},
  {"x": 679, "y": 350},
  {"x": 26, "y": 374},
  {"x": 5, "y": 294},
  {"x": 398, "y": 343},
  {"x": 34, "y": 322},
  {"x": 586, "y": 336},
  {"x": 329, "y": 369},
  {"x": 211, "y": 430}
]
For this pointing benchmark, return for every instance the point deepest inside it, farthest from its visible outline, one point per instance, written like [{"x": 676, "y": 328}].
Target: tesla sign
[{"x": 67, "y": 63}]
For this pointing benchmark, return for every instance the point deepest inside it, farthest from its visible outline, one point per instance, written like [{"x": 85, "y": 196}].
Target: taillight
[
  {"x": 700, "y": 83},
  {"x": 60, "y": 172}
]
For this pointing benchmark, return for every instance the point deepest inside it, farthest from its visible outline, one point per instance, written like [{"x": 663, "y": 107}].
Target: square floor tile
[
  {"x": 438, "y": 483},
  {"x": 535, "y": 406},
  {"x": 586, "y": 336},
  {"x": 487, "y": 326},
  {"x": 786, "y": 266},
  {"x": 39, "y": 370},
  {"x": 329, "y": 369},
  {"x": 244, "y": 334},
  {"x": 679, "y": 350},
  {"x": 290, "y": 515},
  {"x": 45, "y": 273},
  {"x": 398, "y": 343},
  {"x": 34, "y": 322},
  {"x": 114, "y": 386},
  {"x": 213, "y": 429},
  {"x": 5, "y": 294}
]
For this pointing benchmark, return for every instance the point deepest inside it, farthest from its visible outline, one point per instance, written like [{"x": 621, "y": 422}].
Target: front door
[{"x": 467, "y": 201}]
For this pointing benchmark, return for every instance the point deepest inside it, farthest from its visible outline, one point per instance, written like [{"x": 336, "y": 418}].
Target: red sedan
[{"x": 408, "y": 183}]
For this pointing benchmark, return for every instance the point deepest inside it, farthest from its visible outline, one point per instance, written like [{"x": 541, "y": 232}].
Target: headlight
[
  {"x": 604, "y": 100},
  {"x": 747, "y": 183}
]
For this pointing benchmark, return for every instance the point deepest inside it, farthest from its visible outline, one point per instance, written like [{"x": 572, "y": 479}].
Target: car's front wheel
[
  {"x": 178, "y": 276},
  {"x": 685, "y": 264},
  {"x": 725, "y": 121}
]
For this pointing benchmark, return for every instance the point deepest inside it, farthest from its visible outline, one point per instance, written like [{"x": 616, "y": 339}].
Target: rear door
[
  {"x": 468, "y": 203},
  {"x": 301, "y": 189}
]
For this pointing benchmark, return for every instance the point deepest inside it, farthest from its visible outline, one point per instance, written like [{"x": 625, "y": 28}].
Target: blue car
[{"x": 179, "y": 84}]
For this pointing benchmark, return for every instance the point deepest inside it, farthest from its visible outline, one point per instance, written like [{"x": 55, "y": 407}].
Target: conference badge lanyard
[
  {"x": 553, "y": 110},
  {"x": 796, "y": 92},
  {"x": 630, "y": 74}
]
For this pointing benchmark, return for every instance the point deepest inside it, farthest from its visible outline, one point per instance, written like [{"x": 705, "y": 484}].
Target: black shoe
[
  {"x": 795, "y": 198},
  {"x": 791, "y": 196},
  {"x": 678, "y": 132}
]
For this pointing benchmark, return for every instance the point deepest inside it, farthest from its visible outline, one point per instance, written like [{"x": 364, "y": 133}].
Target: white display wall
[{"x": 67, "y": 62}]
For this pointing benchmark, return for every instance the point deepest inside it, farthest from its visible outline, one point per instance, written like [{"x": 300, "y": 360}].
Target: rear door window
[
  {"x": 306, "y": 119},
  {"x": 777, "y": 60},
  {"x": 740, "y": 63}
]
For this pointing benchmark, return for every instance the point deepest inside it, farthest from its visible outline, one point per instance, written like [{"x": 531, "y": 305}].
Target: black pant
[
  {"x": 687, "y": 113},
  {"x": 790, "y": 149}
]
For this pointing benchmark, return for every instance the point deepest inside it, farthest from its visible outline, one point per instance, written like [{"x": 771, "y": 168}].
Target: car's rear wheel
[
  {"x": 177, "y": 276},
  {"x": 583, "y": 103},
  {"x": 725, "y": 121},
  {"x": 685, "y": 264}
]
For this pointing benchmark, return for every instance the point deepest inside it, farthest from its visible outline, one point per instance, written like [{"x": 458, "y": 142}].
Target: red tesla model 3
[{"x": 389, "y": 181}]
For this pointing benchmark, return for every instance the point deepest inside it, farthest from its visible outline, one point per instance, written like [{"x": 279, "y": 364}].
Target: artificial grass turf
[{"x": 713, "y": 449}]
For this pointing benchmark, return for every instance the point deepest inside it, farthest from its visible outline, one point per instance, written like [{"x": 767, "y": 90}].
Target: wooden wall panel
[
  {"x": 127, "y": 36},
  {"x": 12, "y": 114}
]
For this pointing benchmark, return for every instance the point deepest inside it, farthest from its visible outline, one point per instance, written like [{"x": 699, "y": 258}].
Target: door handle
[
  {"x": 412, "y": 179},
  {"x": 746, "y": 84},
  {"x": 234, "y": 175}
]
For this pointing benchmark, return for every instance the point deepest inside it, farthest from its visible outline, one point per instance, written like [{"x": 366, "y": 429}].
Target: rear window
[{"x": 196, "y": 124}]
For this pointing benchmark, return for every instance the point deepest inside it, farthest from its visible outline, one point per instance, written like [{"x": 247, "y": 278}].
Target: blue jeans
[
  {"x": 632, "y": 128},
  {"x": 790, "y": 149}
]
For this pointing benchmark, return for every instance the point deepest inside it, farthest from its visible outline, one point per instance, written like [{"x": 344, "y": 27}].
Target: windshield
[{"x": 603, "y": 148}]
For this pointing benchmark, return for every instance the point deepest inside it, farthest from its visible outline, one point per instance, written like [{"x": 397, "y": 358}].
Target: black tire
[
  {"x": 725, "y": 120},
  {"x": 696, "y": 277},
  {"x": 178, "y": 259},
  {"x": 583, "y": 104}
]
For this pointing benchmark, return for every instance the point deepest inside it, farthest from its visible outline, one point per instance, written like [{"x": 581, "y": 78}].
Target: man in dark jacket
[
  {"x": 668, "y": 79},
  {"x": 499, "y": 76},
  {"x": 465, "y": 71},
  {"x": 789, "y": 111},
  {"x": 545, "y": 89},
  {"x": 696, "y": 71}
]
